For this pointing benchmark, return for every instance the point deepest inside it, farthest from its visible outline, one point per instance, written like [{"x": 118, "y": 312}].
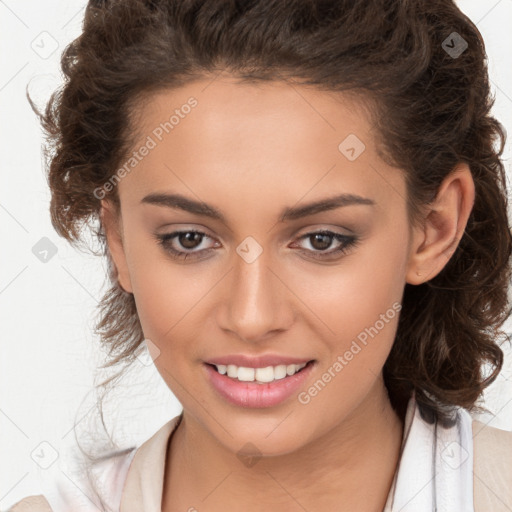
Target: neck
[{"x": 350, "y": 468}]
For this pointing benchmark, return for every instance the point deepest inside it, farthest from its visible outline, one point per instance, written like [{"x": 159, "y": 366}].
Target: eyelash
[{"x": 347, "y": 242}]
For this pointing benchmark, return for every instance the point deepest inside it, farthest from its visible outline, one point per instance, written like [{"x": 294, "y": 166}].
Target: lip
[
  {"x": 256, "y": 361},
  {"x": 254, "y": 395}
]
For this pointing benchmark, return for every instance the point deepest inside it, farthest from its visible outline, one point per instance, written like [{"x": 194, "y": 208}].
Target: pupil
[
  {"x": 322, "y": 238},
  {"x": 188, "y": 238}
]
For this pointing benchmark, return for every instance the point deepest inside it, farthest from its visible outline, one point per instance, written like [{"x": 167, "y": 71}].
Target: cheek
[
  {"x": 168, "y": 300},
  {"x": 167, "y": 295},
  {"x": 358, "y": 304},
  {"x": 362, "y": 294}
]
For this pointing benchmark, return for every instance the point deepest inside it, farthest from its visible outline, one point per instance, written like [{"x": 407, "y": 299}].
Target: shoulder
[
  {"x": 491, "y": 440},
  {"x": 76, "y": 489},
  {"x": 492, "y": 467},
  {"x": 32, "y": 504},
  {"x": 109, "y": 476}
]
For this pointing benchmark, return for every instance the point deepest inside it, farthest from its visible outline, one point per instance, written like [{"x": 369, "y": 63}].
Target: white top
[{"x": 435, "y": 472}]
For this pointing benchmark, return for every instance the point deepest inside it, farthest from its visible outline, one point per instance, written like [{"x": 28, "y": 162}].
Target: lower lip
[{"x": 252, "y": 394}]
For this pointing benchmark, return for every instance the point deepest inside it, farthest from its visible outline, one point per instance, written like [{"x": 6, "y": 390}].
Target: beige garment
[
  {"x": 492, "y": 468},
  {"x": 143, "y": 488}
]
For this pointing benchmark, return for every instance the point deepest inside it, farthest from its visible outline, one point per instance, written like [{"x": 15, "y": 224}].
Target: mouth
[
  {"x": 253, "y": 393},
  {"x": 260, "y": 376}
]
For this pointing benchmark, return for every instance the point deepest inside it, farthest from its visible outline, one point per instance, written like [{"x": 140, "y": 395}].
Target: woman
[{"x": 305, "y": 221}]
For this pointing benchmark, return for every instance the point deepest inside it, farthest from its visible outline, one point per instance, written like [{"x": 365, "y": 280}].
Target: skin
[{"x": 252, "y": 150}]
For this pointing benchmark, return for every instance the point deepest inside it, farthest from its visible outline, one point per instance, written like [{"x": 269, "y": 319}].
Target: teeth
[{"x": 260, "y": 375}]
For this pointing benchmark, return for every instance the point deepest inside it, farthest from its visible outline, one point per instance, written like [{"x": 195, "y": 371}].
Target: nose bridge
[{"x": 256, "y": 304}]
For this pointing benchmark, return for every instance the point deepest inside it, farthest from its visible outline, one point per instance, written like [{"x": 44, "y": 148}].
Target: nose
[{"x": 257, "y": 303}]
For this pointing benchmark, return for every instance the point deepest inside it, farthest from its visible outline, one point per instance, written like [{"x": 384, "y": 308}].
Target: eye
[
  {"x": 322, "y": 240},
  {"x": 192, "y": 239},
  {"x": 189, "y": 239}
]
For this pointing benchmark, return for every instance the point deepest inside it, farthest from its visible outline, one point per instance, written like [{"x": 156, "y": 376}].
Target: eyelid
[
  {"x": 326, "y": 227},
  {"x": 297, "y": 235},
  {"x": 346, "y": 242}
]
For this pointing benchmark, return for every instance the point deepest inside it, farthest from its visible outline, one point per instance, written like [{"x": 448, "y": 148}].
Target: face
[{"x": 317, "y": 284}]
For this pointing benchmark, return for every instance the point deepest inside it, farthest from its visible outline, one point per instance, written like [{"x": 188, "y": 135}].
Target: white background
[{"x": 48, "y": 351}]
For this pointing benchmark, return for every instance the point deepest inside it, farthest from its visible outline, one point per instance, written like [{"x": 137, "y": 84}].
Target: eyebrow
[{"x": 177, "y": 201}]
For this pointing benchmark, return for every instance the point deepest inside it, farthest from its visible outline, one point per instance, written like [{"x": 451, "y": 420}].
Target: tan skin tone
[{"x": 250, "y": 151}]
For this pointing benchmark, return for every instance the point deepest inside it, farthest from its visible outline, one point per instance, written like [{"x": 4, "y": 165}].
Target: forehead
[
  {"x": 220, "y": 136},
  {"x": 226, "y": 106}
]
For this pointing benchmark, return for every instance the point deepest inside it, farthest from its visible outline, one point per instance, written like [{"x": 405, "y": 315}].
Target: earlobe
[
  {"x": 437, "y": 239},
  {"x": 111, "y": 220}
]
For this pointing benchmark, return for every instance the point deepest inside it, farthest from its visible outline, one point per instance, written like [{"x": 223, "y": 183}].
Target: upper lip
[{"x": 256, "y": 361}]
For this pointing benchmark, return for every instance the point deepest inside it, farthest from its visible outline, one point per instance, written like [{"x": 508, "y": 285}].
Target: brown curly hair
[{"x": 430, "y": 109}]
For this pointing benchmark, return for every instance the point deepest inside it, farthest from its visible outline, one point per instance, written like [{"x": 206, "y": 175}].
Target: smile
[{"x": 258, "y": 387}]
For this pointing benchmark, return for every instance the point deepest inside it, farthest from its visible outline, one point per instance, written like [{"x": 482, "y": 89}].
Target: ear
[
  {"x": 435, "y": 241},
  {"x": 112, "y": 223}
]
